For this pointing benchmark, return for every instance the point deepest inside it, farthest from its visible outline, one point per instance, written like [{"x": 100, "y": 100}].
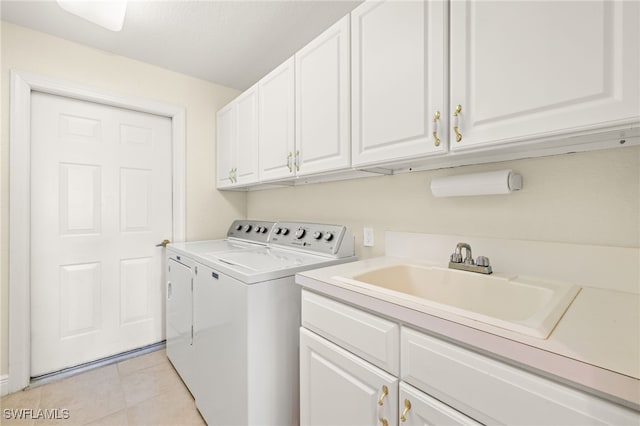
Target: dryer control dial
[
  {"x": 285, "y": 231},
  {"x": 317, "y": 235},
  {"x": 328, "y": 236},
  {"x": 247, "y": 228},
  {"x": 300, "y": 233}
]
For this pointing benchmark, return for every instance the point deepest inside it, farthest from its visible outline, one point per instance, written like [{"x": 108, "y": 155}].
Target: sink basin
[{"x": 524, "y": 305}]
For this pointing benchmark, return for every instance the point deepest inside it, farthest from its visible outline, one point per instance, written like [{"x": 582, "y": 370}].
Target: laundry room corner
[{"x": 33, "y": 52}]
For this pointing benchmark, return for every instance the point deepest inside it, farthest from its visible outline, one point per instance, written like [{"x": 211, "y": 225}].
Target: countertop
[{"x": 595, "y": 345}]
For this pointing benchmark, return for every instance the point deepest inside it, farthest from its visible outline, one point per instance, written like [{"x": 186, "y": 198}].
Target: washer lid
[{"x": 269, "y": 259}]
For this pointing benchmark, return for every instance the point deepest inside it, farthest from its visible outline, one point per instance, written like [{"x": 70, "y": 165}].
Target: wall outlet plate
[{"x": 367, "y": 237}]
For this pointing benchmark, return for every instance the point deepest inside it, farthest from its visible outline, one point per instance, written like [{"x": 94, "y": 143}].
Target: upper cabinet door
[
  {"x": 225, "y": 145},
  {"x": 246, "y": 153},
  {"x": 398, "y": 55},
  {"x": 535, "y": 69},
  {"x": 322, "y": 102},
  {"x": 277, "y": 145}
]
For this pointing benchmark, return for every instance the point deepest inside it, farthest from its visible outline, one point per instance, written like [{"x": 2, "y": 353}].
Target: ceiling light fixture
[{"x": 107, "y": 14}]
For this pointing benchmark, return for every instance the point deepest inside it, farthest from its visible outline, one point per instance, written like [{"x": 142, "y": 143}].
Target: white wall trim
[
  {"x": 22, "y": 85},
  {"x": 4, "y": 385}
]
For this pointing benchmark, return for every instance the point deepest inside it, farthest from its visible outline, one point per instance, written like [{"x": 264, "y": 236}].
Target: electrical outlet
[{"x": 367, "y": 237}]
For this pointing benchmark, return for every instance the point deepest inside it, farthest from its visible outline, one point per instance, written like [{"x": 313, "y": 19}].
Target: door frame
[{"x": 22, "y": 86}]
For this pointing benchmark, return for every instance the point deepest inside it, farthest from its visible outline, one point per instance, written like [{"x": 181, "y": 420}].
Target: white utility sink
[{"x": 524, "y": 305}]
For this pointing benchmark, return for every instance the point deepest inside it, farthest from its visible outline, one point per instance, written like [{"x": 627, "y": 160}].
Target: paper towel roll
[{"x": 487, "y": 183}]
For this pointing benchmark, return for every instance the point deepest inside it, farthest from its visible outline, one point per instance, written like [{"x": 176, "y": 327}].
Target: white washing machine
[
  {"x": 246, "y": 323},
  {"x": 181, "y": 268}
]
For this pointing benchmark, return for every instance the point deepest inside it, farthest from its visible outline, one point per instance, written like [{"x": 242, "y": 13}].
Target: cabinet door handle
[
  {"x": 297, "y": 161},
  {"x": 456, "y": 123},
  {"x": 289, "y": 162},
  {"x": 385, "y": 392},
  {"x": 436, "y": 118},
  {"x": 407, "y": 407},
  {"x": 381, "y": 419}
]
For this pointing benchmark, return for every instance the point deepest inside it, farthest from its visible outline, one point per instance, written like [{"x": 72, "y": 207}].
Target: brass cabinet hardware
[
  {"x": 289, "y": 162},
  {"x": 456, "y": 123},
  {"x": 385, "y": 392},
  {"x": 407, "y": 407},
  {"x": 436, "y": 118},
  {"x": 163, "y": 243},
  {"x": 381, "y": 419},
  {"x": 297, "y": 161}
]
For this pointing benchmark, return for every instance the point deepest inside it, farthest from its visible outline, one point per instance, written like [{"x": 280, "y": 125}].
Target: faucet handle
[
  {"x": 482, "y": 261},
  {"x": 456, "y": 258}
]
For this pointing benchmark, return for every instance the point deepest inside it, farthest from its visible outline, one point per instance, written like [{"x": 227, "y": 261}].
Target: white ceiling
[{"x": 232, "y": 43}]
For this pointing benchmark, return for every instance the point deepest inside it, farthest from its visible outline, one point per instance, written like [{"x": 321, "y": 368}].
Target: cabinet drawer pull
[
  {"x": 407, "y": 407},
  {"x": 456, "y": 123},
  {"x": 436, "y": 118}
]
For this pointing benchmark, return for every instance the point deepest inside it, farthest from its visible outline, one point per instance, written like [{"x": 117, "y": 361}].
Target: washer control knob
[
  {"x": 317, "y": 235},
  {"x": 238, "y": 227},
  {"x": 264, "y": 229},
  {"x": 285, "y": 231},
  {"x": 328, "y": 236},
  {"x": 258, "y": 229},
  {"x": 277, "y": 230},
  {"x": 300, "y": 233},
  {"x": 247, "y": 228}
]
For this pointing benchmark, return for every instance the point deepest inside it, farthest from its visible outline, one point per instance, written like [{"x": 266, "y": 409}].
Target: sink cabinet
[
  {"x": 337, "y": 387},
  {"x": 529, "y": 70},
  {"x": 344, "y": 364}
]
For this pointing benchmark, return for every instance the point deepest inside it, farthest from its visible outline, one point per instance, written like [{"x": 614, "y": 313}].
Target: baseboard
[{"x": 4, "y": 385}]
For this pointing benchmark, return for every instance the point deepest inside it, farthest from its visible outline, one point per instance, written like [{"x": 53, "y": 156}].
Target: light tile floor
[{"x": 144, "y": 390}]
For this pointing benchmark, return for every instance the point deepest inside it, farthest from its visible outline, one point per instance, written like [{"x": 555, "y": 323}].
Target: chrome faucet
[{"x": 481, "y": 265}]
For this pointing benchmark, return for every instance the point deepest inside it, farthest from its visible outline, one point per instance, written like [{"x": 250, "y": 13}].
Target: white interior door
[{"x": 101, "y": 200}]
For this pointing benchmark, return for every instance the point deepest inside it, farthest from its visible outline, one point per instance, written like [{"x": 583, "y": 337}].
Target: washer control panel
[
  {"x": 256, "y": 231},
  {"x": 333, "y": 240}
]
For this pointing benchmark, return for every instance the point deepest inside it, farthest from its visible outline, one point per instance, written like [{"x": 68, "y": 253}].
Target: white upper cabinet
[
  {"x": 277, "y": 120},
  {"x": 525, "y": 70},
  {"x": 398, "y": 56},
  {"x": 237, "y": 140},
  {"x": 323, "y": 139},
  {"x": 225, "y": 145}
]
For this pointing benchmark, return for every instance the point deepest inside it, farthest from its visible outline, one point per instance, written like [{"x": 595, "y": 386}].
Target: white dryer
[
  {"x": 181, "y": 268},
  {"x": 247, "y": 318}
]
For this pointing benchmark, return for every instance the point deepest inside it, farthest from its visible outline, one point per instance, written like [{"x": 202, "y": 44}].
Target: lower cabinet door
[
  {"x": 418, "y": 408},
  {"x": 338, "y": 388}
]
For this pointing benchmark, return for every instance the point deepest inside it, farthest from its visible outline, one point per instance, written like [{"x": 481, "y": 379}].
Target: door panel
[
  {"x": 338, "y": 388},
  {"x": 100, "y": 201},
  {"x": 580, "y": 73}
]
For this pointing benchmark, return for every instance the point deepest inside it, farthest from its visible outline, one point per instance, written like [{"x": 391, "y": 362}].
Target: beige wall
[
  {"x": 209, "y": 212},
  {"x": 584, "y": 198}
]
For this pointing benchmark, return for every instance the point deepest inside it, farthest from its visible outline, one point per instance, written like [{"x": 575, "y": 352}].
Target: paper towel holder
[{"x": 470, "y": 184}]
